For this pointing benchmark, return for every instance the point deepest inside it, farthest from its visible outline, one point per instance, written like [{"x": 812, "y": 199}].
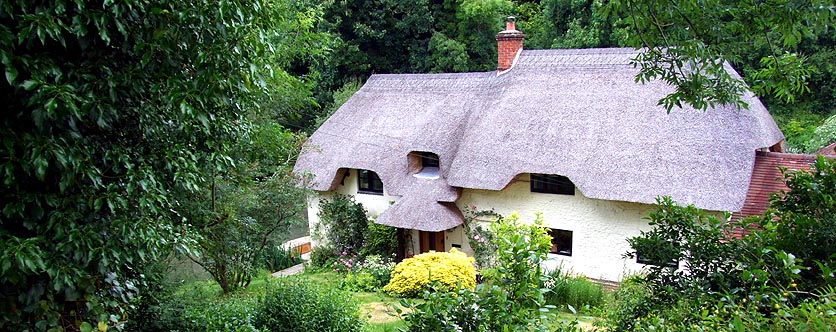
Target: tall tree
[
  {"x": 687, "y": 43},
  {"x": 110, "y": 108}
]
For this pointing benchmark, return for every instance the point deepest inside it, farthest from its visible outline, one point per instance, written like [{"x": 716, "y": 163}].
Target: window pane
[
  {"x": 429, "y": 159},
  {"x": 552, "y": 184},
  {"x": 561, "y": 242},
  {"x": 369, "y": 182}
]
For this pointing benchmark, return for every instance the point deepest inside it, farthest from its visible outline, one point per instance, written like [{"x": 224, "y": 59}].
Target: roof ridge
[{"x": 800, "y": 156}]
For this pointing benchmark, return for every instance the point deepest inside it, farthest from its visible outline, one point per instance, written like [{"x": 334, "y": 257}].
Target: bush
[
  {"x": 342, "y": 223},
  {"x": 361, "y": 281},
  {"x": 366, "y": 276},
  {"x": 380, "y": 268},
  {"x": 630, "y": 300},
  {"x": 323, "y": 257},
  {"x": 380, "y": 240},
  {"x": 512, "y": 298},
  {"x": 413, "y": 276},
  {"x": 300, "y": 306},
  {"x": 577, "y": 291},
  {"x": 198, "y": 308},
  {"x": 276, "y": 258}
]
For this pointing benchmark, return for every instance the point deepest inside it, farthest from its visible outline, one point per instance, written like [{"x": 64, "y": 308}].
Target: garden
[{"x": 778, "y": 276}]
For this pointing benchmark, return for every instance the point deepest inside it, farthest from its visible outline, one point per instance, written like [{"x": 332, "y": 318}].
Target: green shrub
[
  {"x": 342, "y": 223},
  {"x": 361, "y": 281},
  {"x": 512, "y": 298},
  {"x": 632, "y": 299},
  {"x": 380, "y": 240},
  {"x": 379, "y": 267},
  {"x": 199, "y": 308},
  {"x": 276, "y": 258},
  {"x": 577, "y": 291},
  {"x": 299, "y": 306},
  {"x": 413, "y": 276},
  {"x": 323, "y": 256}
]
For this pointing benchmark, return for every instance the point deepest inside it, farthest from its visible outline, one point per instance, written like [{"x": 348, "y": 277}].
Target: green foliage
[
  {"x": 376, "y": 36},
  {"x": 339, "y": 98},
  {"x": 824, "y": 135},
  {"x": 380, "y": 268},
  {"x": 198, "y": 307},
  {"x": 694, "y": 238},
  {"x": 447, "y": 270},
  {"x": 576, "y": 291},
  {"x": 446, "y": 55},
  {"x": 521, "y": 248},
  {"x": 114, "y": 109},
  {"x": 477, "y": 23},
  {"x": 277, "y": 258},
  {"x": 380, "y": 240},
  {"x": 361, "y": 281},
  {"x": 300, "y": 306},
  {"x": 481, "y": 240},
  {"x": 323, "y": 256},
  {"x": 367, "y": 275},
  {"x": 772, "y": 279},
  {"x": 578, "y": 24},
  {"x": 804, "y": 223},
  {"x": 342, "y": 223},
  {"x": 687, "y": 43},
  {"x": 275, "y": 305},
  {"x": 631, "y": 300},
  {"x": 239, "y": 220},
  {"x": 512, "y": 300}
]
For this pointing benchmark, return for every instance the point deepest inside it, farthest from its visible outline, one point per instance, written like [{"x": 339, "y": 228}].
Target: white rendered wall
[
  {"x": 599, "y": 228},
  {"x": 374, "y": 204}
]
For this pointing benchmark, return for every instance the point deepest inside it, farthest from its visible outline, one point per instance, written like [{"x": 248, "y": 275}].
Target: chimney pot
[{"x": 509, "y": 43}]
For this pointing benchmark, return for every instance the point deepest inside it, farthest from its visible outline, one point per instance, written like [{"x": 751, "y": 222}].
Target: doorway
[{"x": 431, "y": 241}]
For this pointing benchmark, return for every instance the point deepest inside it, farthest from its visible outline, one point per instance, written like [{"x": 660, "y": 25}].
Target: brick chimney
[{"x": 509, "y": 42}]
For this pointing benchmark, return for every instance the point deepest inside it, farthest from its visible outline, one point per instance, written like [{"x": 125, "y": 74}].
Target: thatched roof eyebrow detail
[{"x": 575, "y": 113}]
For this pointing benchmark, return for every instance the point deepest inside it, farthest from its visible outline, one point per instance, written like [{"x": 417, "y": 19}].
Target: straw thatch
[{"x": 577, "y": 113}]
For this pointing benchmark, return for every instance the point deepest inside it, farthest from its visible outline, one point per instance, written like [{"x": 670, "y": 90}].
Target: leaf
[
  {"x": 11, "y": 74},
  {"x": 29, "y": 84},
  {"x": 85, "y": 327}
]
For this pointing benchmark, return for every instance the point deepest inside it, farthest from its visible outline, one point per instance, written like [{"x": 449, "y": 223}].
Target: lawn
[{"x": 379, "y": 309}]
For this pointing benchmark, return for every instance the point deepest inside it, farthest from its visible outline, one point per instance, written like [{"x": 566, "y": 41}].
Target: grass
[{"x": 379, "y": 308}]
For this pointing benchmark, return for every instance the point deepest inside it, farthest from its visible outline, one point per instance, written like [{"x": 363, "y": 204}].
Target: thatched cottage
[{"x": 565, "y": 132}]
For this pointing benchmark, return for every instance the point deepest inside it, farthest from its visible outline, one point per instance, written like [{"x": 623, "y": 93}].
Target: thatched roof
[{"x": 576, "y": 113}]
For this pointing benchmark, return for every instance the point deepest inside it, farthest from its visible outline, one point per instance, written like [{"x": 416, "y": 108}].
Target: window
[
  {"x": 551, "y": 184},
  {"x": 642, "y": 259},
  {"x": 424, "y": 165},
  {"x": 369, "y": 182},
  {"x": 429, "y": 159},
  {"x": 561, "y": 242}
]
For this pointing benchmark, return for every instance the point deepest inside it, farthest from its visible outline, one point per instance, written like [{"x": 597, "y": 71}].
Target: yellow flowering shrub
[{"x": 414, "y": 275}]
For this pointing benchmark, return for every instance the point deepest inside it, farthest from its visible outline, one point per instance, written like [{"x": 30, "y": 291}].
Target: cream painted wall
[
  {"x": 599, "y": 228},
  {"x": 374, "y": 204}
]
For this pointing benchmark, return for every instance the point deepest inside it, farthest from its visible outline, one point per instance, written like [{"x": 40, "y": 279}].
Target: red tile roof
[
  {"x": 767, "y": 179},
  {"x": 828, "y": 150}
]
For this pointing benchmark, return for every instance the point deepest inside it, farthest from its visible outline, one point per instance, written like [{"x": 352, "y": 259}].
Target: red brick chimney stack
[{"x": 509, "y": 42}]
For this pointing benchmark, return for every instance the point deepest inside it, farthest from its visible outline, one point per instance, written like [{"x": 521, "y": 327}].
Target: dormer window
[
  {"x": 424, "y": 165},
  {"x": 369, "y": 182},
  {"x": 552, "y": 184}
]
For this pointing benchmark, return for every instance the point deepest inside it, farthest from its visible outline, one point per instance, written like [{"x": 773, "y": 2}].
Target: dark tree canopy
[{"x": 110, "y": 108}]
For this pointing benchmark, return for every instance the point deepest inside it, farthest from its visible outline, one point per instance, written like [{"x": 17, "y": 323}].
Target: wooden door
[{"x": 431, "y": 241}]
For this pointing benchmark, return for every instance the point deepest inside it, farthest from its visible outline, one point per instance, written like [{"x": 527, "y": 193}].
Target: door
[{"x": 431, "y": 241}]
